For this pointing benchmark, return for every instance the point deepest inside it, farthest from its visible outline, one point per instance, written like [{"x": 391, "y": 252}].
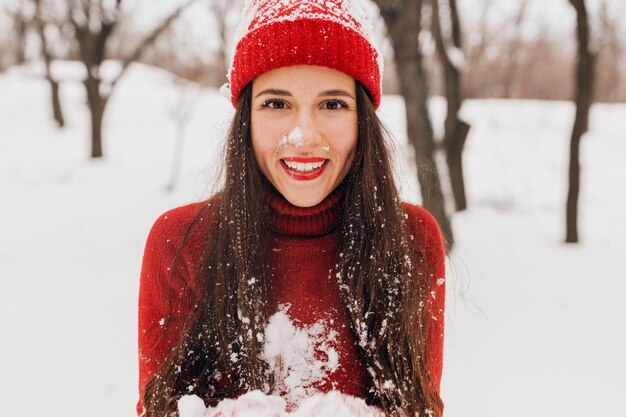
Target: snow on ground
[{"x": 533, "y": 325}]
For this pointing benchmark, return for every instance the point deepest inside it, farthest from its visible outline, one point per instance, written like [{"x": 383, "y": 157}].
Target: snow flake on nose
[{"x": 294, "y": 137}]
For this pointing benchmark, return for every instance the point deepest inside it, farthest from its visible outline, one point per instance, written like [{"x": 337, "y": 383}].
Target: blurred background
[{"x": 507, "y": 119}]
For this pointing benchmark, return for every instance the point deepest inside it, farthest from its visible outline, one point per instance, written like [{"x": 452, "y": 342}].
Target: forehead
[{"x": 304, "y": 79}]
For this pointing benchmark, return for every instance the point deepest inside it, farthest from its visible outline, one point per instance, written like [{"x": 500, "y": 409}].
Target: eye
[
  {"x": 335, "y": 105},
  {"x": 274, "y": 104}
]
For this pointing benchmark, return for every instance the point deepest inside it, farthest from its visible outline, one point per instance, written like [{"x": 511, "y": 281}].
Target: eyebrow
[
  {"x": 337, "y": 92},
  {"x": 274, "y": 92},
  {"x": 285, "y": 93}
]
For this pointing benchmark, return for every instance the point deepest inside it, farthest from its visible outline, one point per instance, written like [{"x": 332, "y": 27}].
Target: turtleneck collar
[{"x": 288, "y": 220}]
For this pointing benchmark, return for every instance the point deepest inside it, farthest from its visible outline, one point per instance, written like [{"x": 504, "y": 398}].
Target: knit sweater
[{"x": 302, "y": 251}]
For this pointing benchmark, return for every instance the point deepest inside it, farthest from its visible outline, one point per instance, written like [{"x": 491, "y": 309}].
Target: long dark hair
[{"x": 381, "y": 276}]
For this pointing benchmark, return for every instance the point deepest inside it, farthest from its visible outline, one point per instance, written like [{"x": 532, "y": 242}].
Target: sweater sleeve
[
  {"x": 165, "y": 291},
  {"x": 425, "y": 234}
]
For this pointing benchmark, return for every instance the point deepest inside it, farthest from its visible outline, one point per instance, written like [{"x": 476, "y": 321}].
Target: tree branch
[{"x": 136, "y": 54}]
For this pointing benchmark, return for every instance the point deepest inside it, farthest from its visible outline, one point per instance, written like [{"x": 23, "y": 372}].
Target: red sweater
[{"x": 303, "y": 245}]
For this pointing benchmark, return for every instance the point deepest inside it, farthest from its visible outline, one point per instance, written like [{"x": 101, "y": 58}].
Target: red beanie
[{"x": 330, "y": 33}]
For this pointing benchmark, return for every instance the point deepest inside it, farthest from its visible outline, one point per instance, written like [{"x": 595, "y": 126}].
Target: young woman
[{"x": 305, "y": 273}]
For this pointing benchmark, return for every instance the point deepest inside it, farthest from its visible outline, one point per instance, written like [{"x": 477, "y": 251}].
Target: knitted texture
[
  {"x": 330, "y": 33},
  {"x": 301, "y": 252}
]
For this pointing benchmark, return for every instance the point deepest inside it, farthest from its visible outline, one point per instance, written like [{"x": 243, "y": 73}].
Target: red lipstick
[{"x": 303, "y": 176}]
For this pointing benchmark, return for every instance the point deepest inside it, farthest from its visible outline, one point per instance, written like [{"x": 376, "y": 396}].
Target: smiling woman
[
  {"x": 305, "y": 274},
  {"x": 312, "y": 110}
]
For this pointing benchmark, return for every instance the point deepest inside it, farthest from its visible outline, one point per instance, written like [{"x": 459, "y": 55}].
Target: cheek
[
  {"x": 265, "y": 134},
  {"x": 345, "y": 143},
  {"x": 261, "y": 137}
]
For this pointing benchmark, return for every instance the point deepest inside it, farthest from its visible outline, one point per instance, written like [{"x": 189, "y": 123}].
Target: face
[{"x": 304, "y": 130}]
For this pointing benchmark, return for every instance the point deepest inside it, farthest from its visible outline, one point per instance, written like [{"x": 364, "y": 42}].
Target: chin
[{"x": 304, "y": 199}]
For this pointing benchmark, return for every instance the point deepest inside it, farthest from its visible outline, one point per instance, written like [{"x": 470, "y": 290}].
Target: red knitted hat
[{"x": 330, "y": 33}]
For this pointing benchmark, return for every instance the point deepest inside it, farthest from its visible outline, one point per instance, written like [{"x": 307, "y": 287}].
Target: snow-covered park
[{"x": 534, "y": 327}]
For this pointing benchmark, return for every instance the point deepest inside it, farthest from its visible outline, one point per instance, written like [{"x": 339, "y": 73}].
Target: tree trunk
[
  {"x": 584, "y": 99},
  {"x": 96, "y": 131},
  {"x": 20, "y": 29},
  {"x": 454, "y": 143},
  {"x": 40, "y": 24},
  {"x": 456, "y": 130},
  {"x": 403, "y": 21},
  {"x": 97, "y": 103},
  {"x": 56, "y": 103}
]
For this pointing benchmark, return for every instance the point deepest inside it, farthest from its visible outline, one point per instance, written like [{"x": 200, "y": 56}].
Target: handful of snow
[{"x": 257, "y": 404}]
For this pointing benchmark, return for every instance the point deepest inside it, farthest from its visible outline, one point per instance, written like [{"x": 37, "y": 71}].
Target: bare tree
[
  {"x": 611, "y": 46},
  {"x": 514, "y": 50},
  {"x": 94, "y": 21},
  {"x": 403, "y": 20},
  {"x": 220, "y": 9},
  {"x": 496, "y": 51},
  {"x": 18, "y": 15},
  {"x": 33, "y": 16},
  {"x": 451, "y": 57},
  {"x": 584, "y": 98},
  {"x": 484, "y": 37},
  {"x": 40, "y": 22}
]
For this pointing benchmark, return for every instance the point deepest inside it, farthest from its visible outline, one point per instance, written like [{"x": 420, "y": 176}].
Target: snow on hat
[{"x": 332, "y": 33}]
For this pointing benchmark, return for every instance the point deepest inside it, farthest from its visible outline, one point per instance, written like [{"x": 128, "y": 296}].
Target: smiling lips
[{"x": 303, "y": 169}]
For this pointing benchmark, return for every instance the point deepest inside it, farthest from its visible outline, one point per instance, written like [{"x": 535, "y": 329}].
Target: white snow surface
[
  {"x": 191, "y": 406},
  {"x": 299, "y": 356},
  {"x": 257, "y": 404},
  {"x": 534, "y": 327}
]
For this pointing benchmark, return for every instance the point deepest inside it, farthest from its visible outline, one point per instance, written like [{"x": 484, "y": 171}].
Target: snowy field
[{"x": 534, "y": 326}]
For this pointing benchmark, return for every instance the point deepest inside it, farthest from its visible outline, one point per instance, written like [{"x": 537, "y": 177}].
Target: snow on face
[
  {"x": 300, "y": 357},
  {"x": 294, "y": 137}
]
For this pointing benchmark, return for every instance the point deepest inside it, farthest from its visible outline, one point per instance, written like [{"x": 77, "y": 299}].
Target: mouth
[{"x": 304, "y": 169}]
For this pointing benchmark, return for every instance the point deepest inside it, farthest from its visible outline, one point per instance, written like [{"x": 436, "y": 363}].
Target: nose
[{"x": 311, "y": 133}]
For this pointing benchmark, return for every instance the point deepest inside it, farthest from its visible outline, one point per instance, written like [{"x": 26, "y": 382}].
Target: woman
[{"x": 305, "y": 273}]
